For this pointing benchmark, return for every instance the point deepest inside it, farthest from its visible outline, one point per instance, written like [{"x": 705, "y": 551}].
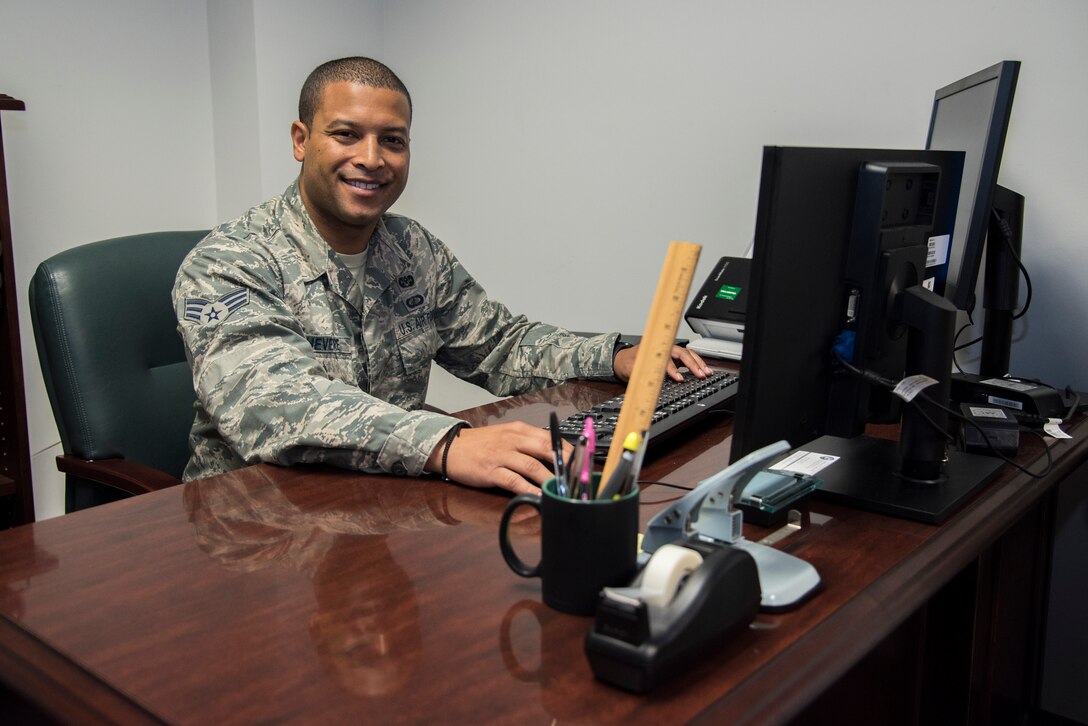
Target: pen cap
[{"x": 618, "y": 482}]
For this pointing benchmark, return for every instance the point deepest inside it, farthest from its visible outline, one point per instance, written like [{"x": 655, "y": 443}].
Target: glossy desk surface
[{"x": 317, "y": 595}]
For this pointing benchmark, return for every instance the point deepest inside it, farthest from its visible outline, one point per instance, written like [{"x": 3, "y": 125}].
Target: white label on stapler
[
  {"x": 1054, "y": 428},
  {"x": 929, "y": 283},
  {"x": 911, "y": 386},
  {"x": 937, "y": 252},
  {"x": 806, "y": 463}
]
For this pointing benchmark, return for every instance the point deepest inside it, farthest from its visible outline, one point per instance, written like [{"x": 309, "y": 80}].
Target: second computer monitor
[{"x": 972, "y": 115}]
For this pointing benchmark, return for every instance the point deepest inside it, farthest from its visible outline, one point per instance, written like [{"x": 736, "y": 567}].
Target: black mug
[{"x": 584, "y": 546}]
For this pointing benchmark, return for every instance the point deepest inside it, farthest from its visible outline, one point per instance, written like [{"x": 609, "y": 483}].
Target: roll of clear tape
[{"x": 665, "y": 571}]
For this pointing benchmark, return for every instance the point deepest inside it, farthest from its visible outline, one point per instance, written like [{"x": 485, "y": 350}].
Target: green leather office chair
[{"x": 114, "y": 366}]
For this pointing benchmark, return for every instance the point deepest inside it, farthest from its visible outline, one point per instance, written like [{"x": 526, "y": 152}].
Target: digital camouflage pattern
[{"x": 292, "y": 362}]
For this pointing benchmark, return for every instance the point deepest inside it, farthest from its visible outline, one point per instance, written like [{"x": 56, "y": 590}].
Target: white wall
[
  {"x": 564, "y": 143},
  {"x": 116, "y": 139},
  {"x": 261, "y": 52},
  {"x": 290, "y": 44},
  {"x": 557, "y": 146},
  {"x": 232, "y": 54}
]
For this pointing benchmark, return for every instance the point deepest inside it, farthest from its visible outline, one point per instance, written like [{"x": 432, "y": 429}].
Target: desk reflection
[
  {"x": 535, "y": 406},
  {"x": 23, "y": 561},
  {"x": 365, "y": 628}
]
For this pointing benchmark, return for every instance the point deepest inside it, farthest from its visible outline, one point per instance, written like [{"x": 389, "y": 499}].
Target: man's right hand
[{"x": 509, "y": 455}]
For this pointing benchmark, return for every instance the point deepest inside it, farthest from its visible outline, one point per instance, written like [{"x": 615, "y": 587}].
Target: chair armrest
[{"x": 125, "y": 475}]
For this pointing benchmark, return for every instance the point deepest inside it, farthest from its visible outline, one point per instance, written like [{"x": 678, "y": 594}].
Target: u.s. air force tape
[{"x": 664, "y": 572}]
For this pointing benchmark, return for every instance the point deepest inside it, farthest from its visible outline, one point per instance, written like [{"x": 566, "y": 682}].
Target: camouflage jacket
[{"x": 293, "y": 362}]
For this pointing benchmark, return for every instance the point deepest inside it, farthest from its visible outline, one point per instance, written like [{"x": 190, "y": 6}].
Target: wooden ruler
[{"x": 655, "y": 348}]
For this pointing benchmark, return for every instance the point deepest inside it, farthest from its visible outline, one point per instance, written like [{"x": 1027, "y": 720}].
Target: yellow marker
[
  {"x": 655, "y": 348},
  {"x": 625, "y": 473}
]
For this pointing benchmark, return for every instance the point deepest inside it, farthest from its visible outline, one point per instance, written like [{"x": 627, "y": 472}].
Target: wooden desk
[{"x": 320, "y": 596}]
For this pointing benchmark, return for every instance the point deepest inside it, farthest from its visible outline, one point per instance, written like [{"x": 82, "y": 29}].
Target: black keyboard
[{"x": 679, "y": 405}]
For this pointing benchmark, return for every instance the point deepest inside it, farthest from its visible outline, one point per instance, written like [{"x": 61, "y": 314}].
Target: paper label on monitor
[
  {"x": 805, "y": 463},
  {"x": 937, "y": 253},
  {"x": 911, "y": 386},
  {"x": 938, "y": 250}
]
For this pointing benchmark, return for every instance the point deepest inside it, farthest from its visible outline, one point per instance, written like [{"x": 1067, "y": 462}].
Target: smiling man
[
  {"x": 353, "y": 145},
  {"x": 311, "y": 321}
]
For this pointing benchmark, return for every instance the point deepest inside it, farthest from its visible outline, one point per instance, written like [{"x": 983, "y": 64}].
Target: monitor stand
[{"x": 867, "y": 476}]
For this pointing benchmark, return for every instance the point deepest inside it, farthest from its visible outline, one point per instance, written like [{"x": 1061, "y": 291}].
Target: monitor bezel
[{"x": 1005, "y": 73}]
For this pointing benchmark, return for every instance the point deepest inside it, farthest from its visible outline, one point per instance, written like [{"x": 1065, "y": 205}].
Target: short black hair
[{"x": 356, "y": 69}]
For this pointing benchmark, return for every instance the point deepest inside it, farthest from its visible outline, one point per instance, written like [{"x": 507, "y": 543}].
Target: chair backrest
[{"x": 114, "y": 365}]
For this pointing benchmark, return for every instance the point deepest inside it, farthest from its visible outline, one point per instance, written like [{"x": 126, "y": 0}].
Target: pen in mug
[
  {"x": 636, "y": 464},
  {"x": 557, "y": 455},
  {"x": 590, "y": 434},
  {"x": 574, "y": 467},
  {"x": 620, "y": 481}
]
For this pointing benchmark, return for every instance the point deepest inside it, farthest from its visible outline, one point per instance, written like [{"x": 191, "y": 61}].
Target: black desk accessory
[
  {"x": 868, "y": 475},
  {"x": 1019, "y": 394},
  {"x": 636, "y": 644},
  {"x": 702, "y": 583}
]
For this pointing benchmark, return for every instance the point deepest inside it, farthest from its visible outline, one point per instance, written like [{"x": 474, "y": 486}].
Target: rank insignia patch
[{"x": 205, "y": 312}]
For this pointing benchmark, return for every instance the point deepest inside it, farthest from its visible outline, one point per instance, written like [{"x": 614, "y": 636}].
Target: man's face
[{"x": 354, "y": 161}]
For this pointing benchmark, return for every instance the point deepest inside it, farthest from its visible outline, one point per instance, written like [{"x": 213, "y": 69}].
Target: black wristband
[
  {"x": 450, "y": 436},
  {"x": 620, "y": 345}
]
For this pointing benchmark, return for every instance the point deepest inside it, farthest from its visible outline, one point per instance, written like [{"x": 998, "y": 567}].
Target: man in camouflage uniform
[{"x": 311, "y": 321}]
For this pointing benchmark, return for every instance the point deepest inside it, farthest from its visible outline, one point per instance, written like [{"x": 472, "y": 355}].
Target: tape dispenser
[{"x": 703, "y": 582}]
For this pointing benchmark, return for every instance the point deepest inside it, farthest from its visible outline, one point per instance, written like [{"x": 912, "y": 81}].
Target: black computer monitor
[
  {"x": 839, "y": 253},
  {"x": 972, "y": 115}
]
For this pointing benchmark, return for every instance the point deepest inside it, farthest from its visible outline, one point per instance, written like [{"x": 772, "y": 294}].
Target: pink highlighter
[{"x": 587, "y": 468}]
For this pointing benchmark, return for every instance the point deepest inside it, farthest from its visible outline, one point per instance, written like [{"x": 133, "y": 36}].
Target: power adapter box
[
  {"x": 1016, "y": 393},
  {"x": 1001, "y": 427}
]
